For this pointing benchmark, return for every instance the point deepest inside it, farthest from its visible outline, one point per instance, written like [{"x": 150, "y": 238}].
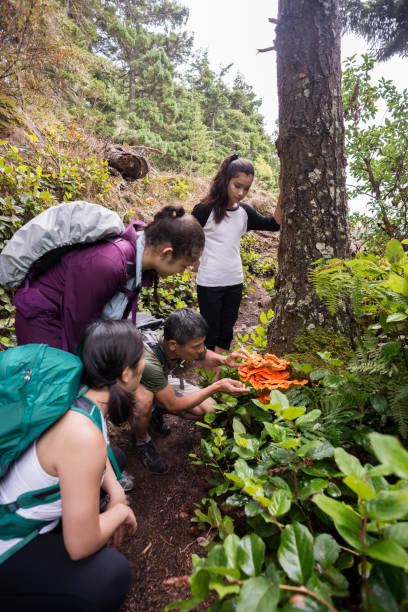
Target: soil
[{"x": 164, "y": 504}]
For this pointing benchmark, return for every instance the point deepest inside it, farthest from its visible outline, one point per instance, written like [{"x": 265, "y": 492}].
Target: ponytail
[
  {"x": 217, "y": 197},
  {"x": 172, "y": 225}
]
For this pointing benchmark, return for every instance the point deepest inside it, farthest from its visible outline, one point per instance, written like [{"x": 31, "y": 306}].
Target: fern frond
[{"x": 398, "y": 399}]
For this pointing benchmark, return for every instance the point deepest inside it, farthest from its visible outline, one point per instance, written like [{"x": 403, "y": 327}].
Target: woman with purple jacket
[{"x": 103, "y": 281}]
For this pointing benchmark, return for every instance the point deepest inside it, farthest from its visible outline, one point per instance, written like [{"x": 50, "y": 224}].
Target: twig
[
  {"x": 188, "y": 546},
  {"x": 165, "y": 541},
  {"x": 266, "y": 49},
  {"x": 144, "y": 551},
  {"x": 306, "y": 591},
  {"x": 273, "y": 20}
]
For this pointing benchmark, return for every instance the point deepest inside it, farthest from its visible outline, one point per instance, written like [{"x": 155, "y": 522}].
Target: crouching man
[{"x": 182, "y": 339}]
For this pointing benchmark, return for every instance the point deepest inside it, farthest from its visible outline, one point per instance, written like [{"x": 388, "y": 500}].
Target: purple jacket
[{"x": 56, "y": 307}]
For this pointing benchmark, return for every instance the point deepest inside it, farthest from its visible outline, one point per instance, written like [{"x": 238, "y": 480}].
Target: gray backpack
[{"x": 55, "y": 230}]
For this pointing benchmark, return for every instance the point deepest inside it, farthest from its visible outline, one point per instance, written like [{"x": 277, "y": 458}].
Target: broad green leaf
[
  {"x": 295, "y": 552},
  {"x": 312, "y": 486},
  {"x": 389, "y": 451},
  {"x": 394, "y": 251},
  {"x": 279, "y": 401},
  {"x": 396, "y": 317},
  {"x": 382, "y": 595},
  {"x": 379, "y": 402},
  {"x": 290, "y": 443},
  {"x": 293, "y": 412},
  {"x": 397, "y": 532},
  {"x": 231, "y": 543},
  {"x": 351, "y": 537},
  {"x": 318, "y": 374},
  {"x": 258, "y": 594},
  {"x": 257, "y": 492},
  {"x": 389, "y": 552},
  {"x": 275, "y": 454},
  {"x": 339, "y": 512},
  {"x": 250, "y": 554},
  {"x": 388, "y": 505},
  {"x": 253, "y": 508},
  {"x": 199, "y": 584},
  {"x": 279, "y": 503},
  {"x": 243, "y": 470},
  {"x": 326, "y": 550},
  {"x": 249, "y": 444},
  {"x": 309, "y": 417},
  {"x": 264, "y": 318},
  {"x": 398, "y": 284},
  {"x": 276, "y": 432},
  {"x": 360, "y": 488},
  {"x": 223, "y": 589},
  {"x": 332, "y": 381},
  {"x": 348, "y": 464},
  {"x": 321, "y": 452},
  {"x": 184, "y": 604},
  {"x": 237, "y": 426}
]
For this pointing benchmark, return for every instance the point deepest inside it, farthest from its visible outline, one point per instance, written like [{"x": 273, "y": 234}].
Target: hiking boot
[
  {"x": 151, "y": 458},
  {"x": 157, "y": 423},
  {"x": 128, "y": 481}
]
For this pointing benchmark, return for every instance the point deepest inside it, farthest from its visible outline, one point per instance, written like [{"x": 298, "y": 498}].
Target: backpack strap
[
  {"x": 152, "y": 342},
  {"x": 87, "y": 407}
]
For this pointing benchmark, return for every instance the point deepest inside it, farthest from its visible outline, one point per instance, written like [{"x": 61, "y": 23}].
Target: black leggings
[
  {"x": 42, "y": 576},
  {"x": 219, "y": 307}
]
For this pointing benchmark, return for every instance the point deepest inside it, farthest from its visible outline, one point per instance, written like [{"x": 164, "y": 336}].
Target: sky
[{"x": 233, "y": 30}]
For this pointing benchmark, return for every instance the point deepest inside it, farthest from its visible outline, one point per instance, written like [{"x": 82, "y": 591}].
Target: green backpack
[{"x": 38, "y": 384}]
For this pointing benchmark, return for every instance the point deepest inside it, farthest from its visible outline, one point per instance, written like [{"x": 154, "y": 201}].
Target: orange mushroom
[{"x": 267, "y": 373}]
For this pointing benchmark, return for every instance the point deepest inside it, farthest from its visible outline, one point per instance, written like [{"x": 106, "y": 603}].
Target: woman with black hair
[
  {"x": 104, "y": 280},
  {"x": 225, "y": 220},
  {"x": 75, "y": 570}
]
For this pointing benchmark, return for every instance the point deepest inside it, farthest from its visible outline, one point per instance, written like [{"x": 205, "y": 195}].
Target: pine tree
[
  {"x": 384, "y": 23},
  {"x": 310, "y": 145}
]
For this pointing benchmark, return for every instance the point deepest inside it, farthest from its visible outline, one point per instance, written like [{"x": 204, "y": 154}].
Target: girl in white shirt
[{"x": 225, "y": 220}]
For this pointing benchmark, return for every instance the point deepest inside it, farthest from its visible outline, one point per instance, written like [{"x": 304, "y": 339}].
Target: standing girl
[
  {"x": 225, "y": 220},
  {"x": 74, "y": 570},
  {"x": 104, "y": 280}
]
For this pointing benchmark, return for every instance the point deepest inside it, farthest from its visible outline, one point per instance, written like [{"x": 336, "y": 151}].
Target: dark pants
[
  {"x": 42, "y": 576},
  {"x": 219, "y": 307}
]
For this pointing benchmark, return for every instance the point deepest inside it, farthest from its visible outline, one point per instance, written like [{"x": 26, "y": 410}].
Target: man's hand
[
  {"x": 228, "y": 385},
  {"x": 231, "y": 359}
]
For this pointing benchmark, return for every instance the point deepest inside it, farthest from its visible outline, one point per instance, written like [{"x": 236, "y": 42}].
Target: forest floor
[{"x": 164, "y": 504}]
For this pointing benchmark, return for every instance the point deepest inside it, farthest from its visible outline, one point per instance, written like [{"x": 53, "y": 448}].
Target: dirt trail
[{"x": 164, "y": 504}]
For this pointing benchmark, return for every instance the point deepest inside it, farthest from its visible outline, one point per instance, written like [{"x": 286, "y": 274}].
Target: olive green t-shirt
[{"x": 154, "y": 377}]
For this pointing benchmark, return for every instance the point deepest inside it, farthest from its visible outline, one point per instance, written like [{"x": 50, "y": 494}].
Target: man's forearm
[{"x": 180, "y": 404}]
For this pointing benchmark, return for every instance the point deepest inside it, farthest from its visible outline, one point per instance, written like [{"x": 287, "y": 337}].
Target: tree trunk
[
  {"x": 315, "y": 222},
  {"x": 127, "y": 161}
]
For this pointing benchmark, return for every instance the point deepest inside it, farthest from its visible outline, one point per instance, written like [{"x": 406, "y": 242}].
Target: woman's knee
[{"x": 112, "y": 580}]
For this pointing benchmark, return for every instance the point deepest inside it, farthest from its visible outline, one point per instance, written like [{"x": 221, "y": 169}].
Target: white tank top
[{"x": 26, "y": 474}]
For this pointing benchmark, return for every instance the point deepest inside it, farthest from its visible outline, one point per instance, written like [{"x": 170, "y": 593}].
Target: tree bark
[
  {"x": 127, "y": 161},
  {"x": 315, "y": 221}
]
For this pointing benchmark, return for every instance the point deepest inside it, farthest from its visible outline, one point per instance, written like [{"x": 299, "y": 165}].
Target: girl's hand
[{"x": 129, "y": 526}]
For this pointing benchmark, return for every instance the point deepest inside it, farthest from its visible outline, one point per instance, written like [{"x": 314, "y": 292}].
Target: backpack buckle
[{"x": 12, "y": 507}]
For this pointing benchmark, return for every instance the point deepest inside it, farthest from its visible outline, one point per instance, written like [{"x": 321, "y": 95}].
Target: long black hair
[
  {"x": 217, "y": 197},
  {"x": 108, "y": 348},
  {"x": 183, "y": 232}
]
